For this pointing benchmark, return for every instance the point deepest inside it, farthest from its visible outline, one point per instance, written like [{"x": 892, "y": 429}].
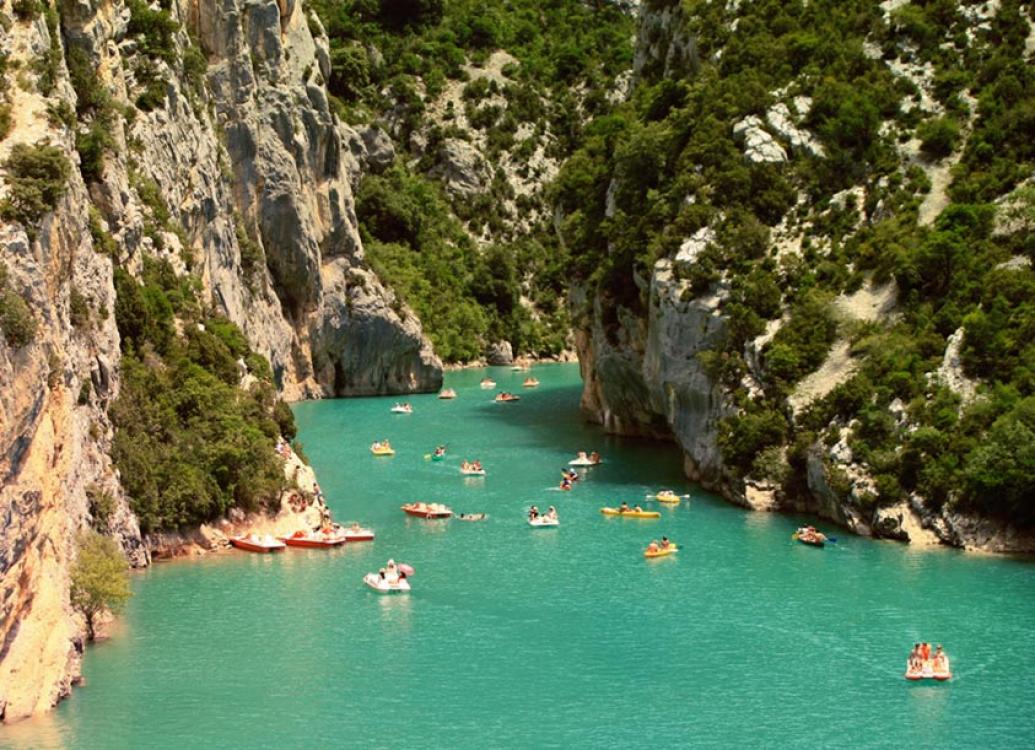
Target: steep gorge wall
[{"x": 246, "y": 156}]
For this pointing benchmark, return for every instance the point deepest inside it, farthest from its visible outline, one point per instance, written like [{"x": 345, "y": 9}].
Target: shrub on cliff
[
  {"x": 100, "y": 579},
  {"x": 17, "y": 323},
  {"x": 37, "y": 177}
]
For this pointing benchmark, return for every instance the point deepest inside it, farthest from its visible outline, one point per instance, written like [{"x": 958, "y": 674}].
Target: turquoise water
[{"x": 568, "y": 637}]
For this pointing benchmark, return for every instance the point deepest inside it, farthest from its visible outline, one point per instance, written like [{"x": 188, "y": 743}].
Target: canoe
[
  {"x": 542, "y": 522},
  {"x": 317, "y": 541},
  {"x": 437, "y": 456},
  {"x": 671, "y": 549},
  {"x": 441, "y": 511},
  {"x": 257, "y": 544},
  {"x": 382, "y": 586},
  {"x": 631, "y": 513},
  {"x": 667, "y": 497},
  {"x": 383, "y": 451}
]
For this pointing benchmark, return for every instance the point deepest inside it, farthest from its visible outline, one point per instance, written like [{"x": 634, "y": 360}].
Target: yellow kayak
[
  {"x": 631, "y": 513},
  {"x": 672, "y": 548},
  {"x": 667, "y": 497}
]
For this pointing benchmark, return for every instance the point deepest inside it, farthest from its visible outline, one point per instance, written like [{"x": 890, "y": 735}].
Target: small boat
[
  {"x": 583, "y": 460},
  {"x": 470, "y": 471},
  {"x": 530, "y": 383},
  {"x": 542, "y": 522},
  {"x": 314, "y": 539},
  {"x": 427, "y": 510},
  {"x": 809, "y": 536},
  {"x": 488, "y": 383},
  {"x": 384, "y": 586},
  {"x": 927, "y": 672},
  {"x": 357, "y": 533},
  {"x": 382, "y": 449},
  {"x": 667, "y": 496},
  {"x": 447, "y": 393},
  {"x": 471, "y": 517},
  {"x": 630, "y": 513},
  {"x": 438, "y": 456},
  {"x": 661, "y": 551},
  {"x": 503, "y": 398},
  {"x": 256, "y": 543},
  {"x": 519, "y": 368},
  {"x": 402, "y": 409}
]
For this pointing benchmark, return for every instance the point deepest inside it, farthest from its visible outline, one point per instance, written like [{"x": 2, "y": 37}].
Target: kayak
[
  {"x": 380, "y": 450},
  {"x": 631, "y": 513},
  {"x": 661, "y": 552},
  {"x": 253, "y": 543},
  {"x": 437, "y": 456},
  {"x": 543, "y": 522},
  {"x": 427, "y": 511},
  {"x": 382, "y": 586},
  {"x": 667, "y": 497}
]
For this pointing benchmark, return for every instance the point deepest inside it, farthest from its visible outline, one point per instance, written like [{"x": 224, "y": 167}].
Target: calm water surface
[{"x": 515, "y": 637}]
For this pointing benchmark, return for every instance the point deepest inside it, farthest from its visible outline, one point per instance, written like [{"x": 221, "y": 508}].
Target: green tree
[{"x": 100, "y": 579}]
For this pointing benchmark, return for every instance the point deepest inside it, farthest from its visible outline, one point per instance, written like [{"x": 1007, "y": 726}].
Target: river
[{"x": 517, "y": 637}]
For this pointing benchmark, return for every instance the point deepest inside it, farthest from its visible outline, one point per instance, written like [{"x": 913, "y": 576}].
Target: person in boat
[
  {"x": 565, "y": 484},
  {"x": 552, "y": 513},
  {"x": 665, "y": 543},
  {"x": 440, "y": 450},
  {"x": 581, "y": 456},
  {"x": 925, "y": 652},
  {"x": 381, "y": 574},
  {"x": 594, "y": 457},
  {"x": 653, "y": 546},
  {"x": 941, "y": 660},
  {"x": 533, "y": 513},
  {"x": 477, "y": 465},
  {"x": 624, "y": 507},
  {"x": 573, "y": 475},
  {"x": 638, "y": 509}
]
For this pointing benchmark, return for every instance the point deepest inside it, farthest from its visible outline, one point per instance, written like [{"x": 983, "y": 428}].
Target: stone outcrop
[
  {"x": 461, "y": 168},
  {"x": 759, "y": 145},
  {"x": 500, "y": 353}
]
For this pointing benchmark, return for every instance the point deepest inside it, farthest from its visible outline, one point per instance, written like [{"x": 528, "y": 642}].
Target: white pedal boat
[
  {"x": 543, "y": 522},
  {"x": 383, "y": 586}
]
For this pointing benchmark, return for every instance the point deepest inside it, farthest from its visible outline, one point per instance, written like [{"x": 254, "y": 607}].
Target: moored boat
[
  {"x": 324, "y": 538},
  {"x": 256, "y": 543},
  {"x": 427, "y": 510},
  {"x": 630, "y": 513}
]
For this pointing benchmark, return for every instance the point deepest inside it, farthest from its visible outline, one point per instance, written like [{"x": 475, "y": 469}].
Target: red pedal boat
[
  {"x": 255, "y": 543},
  {"x": 427, "y": 510},
  {"x": 313, "y": 539}
]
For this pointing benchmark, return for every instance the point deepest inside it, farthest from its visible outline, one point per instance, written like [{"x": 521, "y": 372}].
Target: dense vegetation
[
  {"x": 390, "y": 62},
  {"x": 189, "y": 442},
  {"x": 678, "y": 169}
]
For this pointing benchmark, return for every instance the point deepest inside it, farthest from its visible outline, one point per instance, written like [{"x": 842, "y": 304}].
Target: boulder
[
  {"x": 461, "y": 168},
  {"x": 499, "y": 353},
  {"x": 759, "y": 145}
]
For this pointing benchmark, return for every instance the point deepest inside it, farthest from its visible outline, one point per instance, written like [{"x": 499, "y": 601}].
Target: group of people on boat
[
  {"x": 475, "y": 465},
  {"x": 809, "y": 535},
  {"x": 656, "y": 546},
  {"x": 530, "y": 382},
  {"x": 403, "y": 407},
  {"x": 447, "y": 393},
  {"x": 506, "y": 396},
  {"x": 391, "y": 573},
  {"x": 534, "y": 514},
  {"x": 381, "y": 445},
  {"x": 624, "y": 508},
  {"x": 582, "y": 459},
  {"x": 923, "y": 663}
]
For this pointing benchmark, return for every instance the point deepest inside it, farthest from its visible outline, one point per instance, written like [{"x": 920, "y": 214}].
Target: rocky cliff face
[
  {"x": 236, "y": 170},
  {"x": 644, "y": 370}
]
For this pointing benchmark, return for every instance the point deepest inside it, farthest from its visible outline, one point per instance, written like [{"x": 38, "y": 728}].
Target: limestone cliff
[
  {"x": 218, "y": 153},
  {"x": 653, "y": 337}
]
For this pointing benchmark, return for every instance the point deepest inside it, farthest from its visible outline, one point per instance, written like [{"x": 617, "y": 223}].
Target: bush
[
  {"x": 938, "y": 137},
  {"x": 26, "y": 10},
  {"x": 17, "y": 323},
  {"x": 37, "y": 177},
  {"x": 78, "y": 309},
  {"x": 99, "y": 579}
]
